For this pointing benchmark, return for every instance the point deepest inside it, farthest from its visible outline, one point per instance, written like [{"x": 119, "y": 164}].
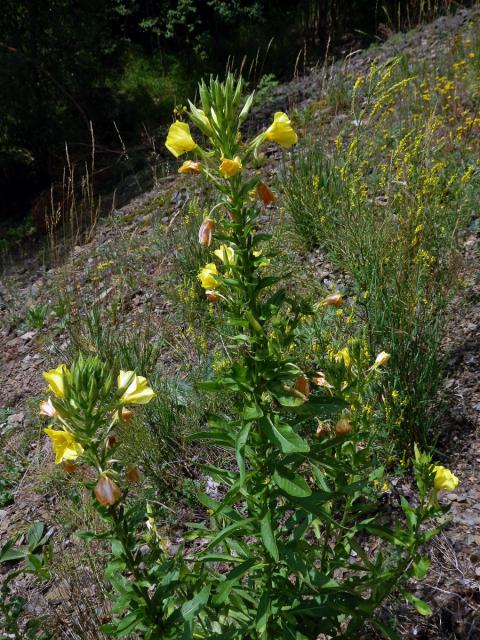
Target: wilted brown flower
[
  {"x": 212, "y": 296},
  {"x": 112, "y": 439},
  {"x": 69, "y": 467},
  {"x": 302, "y": 386},
  {"x": 343, "y": 427},
  {"x": 334, "y": 300},
  {"x": 320, "y": 380},
  {"x": 205, "y": 232},
  {"x": 126, "y": 414},
  {"x": 322, "y": 430},
  {"x": 133, "y": 474},
  {"x": 107, "y": 492},
  {"x": 265, "y": 194}
]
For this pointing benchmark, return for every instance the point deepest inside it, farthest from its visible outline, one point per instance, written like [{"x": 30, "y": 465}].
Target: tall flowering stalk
[{"x": 297, "y": 506}]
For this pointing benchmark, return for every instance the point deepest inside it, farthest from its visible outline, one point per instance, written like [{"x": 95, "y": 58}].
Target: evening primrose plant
[{"x": 284, "y": 548}]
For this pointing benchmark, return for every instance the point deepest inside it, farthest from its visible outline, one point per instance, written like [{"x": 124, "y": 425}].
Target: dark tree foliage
[{"x": 67, "y": 63}]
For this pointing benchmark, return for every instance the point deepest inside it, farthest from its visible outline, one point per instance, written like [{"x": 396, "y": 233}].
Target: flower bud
[
  {"x": 133, "y": 474},
  {"x": 107, "y": 492},
  {"x": 205, "y": 232},
  {"x": 265, "y": 194},
  {"x": 334, "y": 300},
  {"x": 302, "y": 386},
  {"x": 343, "y": 427}
]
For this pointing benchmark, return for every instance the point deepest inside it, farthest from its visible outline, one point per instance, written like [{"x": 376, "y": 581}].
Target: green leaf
[
  {"x": 233, "y": 577},
  {"x": 35, "y": 534},
  {"x": 421, "y": 606},
  {"x": 243, "y": 524},
  {"x": 385, "y": 630},
  {"x": 291, "y": 483},
  {"x": 409, "y": 513},
  {"x": 239, "y": 452},
  {"x": 222, "y": 438},
  {"x": 282, "y": 435},
  {"x": 263, "y": 613},
  {"x": 252, "y": 412},
  {"x": 321, "y": 407},
  {"x": 420, "y": 568},
  {"x": 267, "y": 536},
  {"x": 8, "y": 553},
  {"x": 196, "y": 604}
]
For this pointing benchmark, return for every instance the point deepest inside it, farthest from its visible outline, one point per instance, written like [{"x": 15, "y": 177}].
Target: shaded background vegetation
[{"x": 122, "y": 65}]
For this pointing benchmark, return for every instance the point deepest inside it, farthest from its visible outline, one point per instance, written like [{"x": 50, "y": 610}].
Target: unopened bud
[
  {"x": 343, "y": 427},
  {"x": 205, "y": 232},
  {"x": 302, "y": 386},
  {"x": 133, "y": 474},
  {"x": 107, "y": 492}
]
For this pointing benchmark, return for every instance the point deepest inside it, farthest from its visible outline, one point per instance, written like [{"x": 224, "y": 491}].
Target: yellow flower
[
  {"x": 206, "y": 276},
  {"x": 55, "y": 379},
  {"x": 343, "y": 356},
  {"x": 444, "y": 479},
  {"x": 179, "y": 140},
  {"x": 226, "y": 254},
  {"x": 65, "y": 447},
  {"x": 136, "y": 389},
  {"x": 189, "y": 166},
  {"x": 230, "y": 168},
  {"x": 382, "y": 358},
  {"x": 281, "y": 131}
]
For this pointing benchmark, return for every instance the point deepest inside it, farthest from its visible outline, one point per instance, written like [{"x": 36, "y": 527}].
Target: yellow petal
[
  {"x": 137, "y": 391},
  {"x": 281, "y": 130},
  {"x": 55, "y": 379},
  {"x": 206, "y": 276},
  {"x": 230, "y": 168},
  {"x": 65, "y": 447},
  {"x": 444, "y": 479},
  {"x": 189, "y": 166},
  {"x": 179, "y": 139},
  {"x": 226, "y": 254}
]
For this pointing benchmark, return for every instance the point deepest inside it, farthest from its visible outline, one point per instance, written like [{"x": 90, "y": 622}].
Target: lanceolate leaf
[
  {"x": 282, "y": 435},
  {"x": 268, "y": 537},
  {"x": 291, "y": 483}
]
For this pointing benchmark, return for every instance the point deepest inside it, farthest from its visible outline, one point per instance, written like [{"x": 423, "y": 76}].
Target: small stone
[
  {"x": 28, "y": 336},
  {"x": 16, "y": 418}
]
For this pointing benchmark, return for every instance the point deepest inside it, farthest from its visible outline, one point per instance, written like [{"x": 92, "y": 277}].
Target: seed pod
[
  {"x": 343, "y": 427},
  {"x": 107, "y": 492}
]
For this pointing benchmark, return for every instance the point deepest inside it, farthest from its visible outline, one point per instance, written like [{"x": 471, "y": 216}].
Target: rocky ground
[{"x": 453, "y": 586}]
